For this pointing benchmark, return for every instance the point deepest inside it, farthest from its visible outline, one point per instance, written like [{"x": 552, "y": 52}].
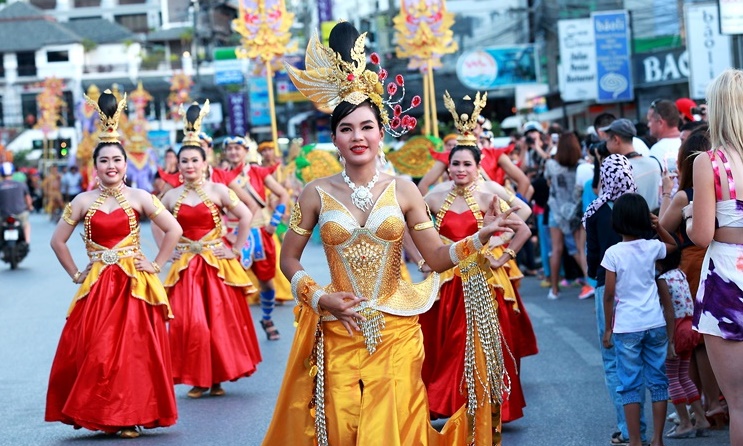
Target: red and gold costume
[
  {"x": 444, "y": 329},
  {"x": 112, "y": 367},
  {"x": 212, "y": 337},
  {"x": 489, "y": 166}
]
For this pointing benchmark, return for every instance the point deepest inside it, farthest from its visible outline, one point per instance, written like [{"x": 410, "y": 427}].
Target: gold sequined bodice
[{"x": 365, "y": 260}]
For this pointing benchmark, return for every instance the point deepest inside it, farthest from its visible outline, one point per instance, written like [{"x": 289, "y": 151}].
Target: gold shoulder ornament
[
  {"x": 158, "y": 207},
  {"x": 67, "y": 215},
  {"x": 234, "y": 201},
  {"x": 295, "y": 219}
]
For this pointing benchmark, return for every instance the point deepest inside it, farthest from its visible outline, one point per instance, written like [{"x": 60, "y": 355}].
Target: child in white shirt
[{"x": 637, "y": 320}]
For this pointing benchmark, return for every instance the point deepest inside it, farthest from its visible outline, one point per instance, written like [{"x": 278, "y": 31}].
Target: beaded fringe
[
  {"x": 317, "y": 370},
  {"x": 482, "y": 323}
]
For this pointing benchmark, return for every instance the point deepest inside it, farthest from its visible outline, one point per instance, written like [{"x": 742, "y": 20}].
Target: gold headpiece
[
  {"x": 328, "y": 80},
  {"x": 466, "y": 124},
  {"x": 109, "y": 124},
  {"x": 191, "y": 129}
]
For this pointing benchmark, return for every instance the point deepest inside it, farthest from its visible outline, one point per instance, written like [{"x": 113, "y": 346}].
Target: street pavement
[{"x": 567, "y": 402}]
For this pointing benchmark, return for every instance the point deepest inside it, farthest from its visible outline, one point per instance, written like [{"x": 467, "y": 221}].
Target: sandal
[
  {"x": 196, "y": 392},
  {"x": 216, "y": 390},
  {"x": 272, "y": 333},
  {"x": 129, "y": 432}
]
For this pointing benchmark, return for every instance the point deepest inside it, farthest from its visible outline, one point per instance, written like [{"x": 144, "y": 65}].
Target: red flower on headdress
[
  {"x": 391, "y": 89},
  {"x": 395, "y": 122},
  {"x": 350, "y": 77},
  {"x": 382, "y": 74},
  {"x": 400, "y": 81},
  {"x": 416, "y": 101},
  {"x": 374, "y": 58},
  {"x": 397, "y": 110}
]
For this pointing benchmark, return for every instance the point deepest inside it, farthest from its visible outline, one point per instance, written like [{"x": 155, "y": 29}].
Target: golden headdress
[
  {"x": 464, "y": 123},
  {"x": 327, "y": 80},
  {"x": 192, "y": 123},
  {"x": 109, "y": 124}
]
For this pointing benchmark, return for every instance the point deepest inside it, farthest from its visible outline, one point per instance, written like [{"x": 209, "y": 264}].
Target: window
[
  {"x": 132, "y": 2},
  {"x": 2, "y": 65},
  {"x": 44, "y": 4},
  {"x": 57, "y": 56},
  {"x": 87, "y": 3},
  {"x": 134, "y": 22},
  {"x": 26, "y": 63}
]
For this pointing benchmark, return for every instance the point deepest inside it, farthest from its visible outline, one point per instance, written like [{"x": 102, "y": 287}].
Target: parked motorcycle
[{"x": 13, "y": 245}]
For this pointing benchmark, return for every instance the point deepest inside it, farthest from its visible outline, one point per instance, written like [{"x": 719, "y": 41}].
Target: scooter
[{"x": 13, "y": 245}]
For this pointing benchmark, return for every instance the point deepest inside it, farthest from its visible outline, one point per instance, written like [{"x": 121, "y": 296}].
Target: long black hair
[
  {"x": 341, "y": 40},
  {"x": 108, "y": 104},
  {"x": 630, "y": 216}
]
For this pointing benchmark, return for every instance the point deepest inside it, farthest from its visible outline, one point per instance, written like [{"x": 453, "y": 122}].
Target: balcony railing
[{"x": 105, "y": 68}]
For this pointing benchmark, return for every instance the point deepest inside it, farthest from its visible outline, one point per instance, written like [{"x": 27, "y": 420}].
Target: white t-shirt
[
  {"x": 637, "y": 302},
  {"x": 647, "y": 173},
  {"x": 666, "y": 148},
  {"x": 640, "y": 146},
  {"x": 583, "y": 174}
]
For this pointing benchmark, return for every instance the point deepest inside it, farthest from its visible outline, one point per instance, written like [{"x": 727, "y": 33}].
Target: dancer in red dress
[
  {"x": 459, "y": 215},
  {"x": 112, "y": 368},
  {"x": 212, "y": 336}
]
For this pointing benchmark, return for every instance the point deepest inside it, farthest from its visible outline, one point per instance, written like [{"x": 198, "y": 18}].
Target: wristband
[
  {"x": 464, "y": 248},
  {"x": 421, "y": 262},
  {"x": 155, "y": 266},
  {"x": 510, "y": 252},
  {"x": 306, "y": 291},
  {"x": 76, "y": 277},
  {"x": 237, "y": 252},
  {"x": 278, "y": 214}
]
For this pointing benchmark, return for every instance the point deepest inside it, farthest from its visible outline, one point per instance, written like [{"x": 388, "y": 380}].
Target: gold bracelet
[
  {"x": 76, "y": 277},
  {"x": 156, "y": 267},
  {"x": 510, "y": 252},
  {"x": 237, "y": 252},
  {"x": 423, "y": 226}
]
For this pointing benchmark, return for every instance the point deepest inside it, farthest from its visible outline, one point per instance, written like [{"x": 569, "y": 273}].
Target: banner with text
[
  {"x": 237, "y": 110},
  {"x": 613, "y": 56},
  {"x": 709, "y": 51},
  {"x": 491, "y": 68},
  {"x": 577, "y": 60}
]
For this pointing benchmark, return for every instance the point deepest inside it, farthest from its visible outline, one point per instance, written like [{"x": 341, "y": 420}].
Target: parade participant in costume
[
  {"x": 212, "y": 337},
  {"x": 353, "y": 376},
  {"x": 458, "y": 208},
  {"x": 496, "y": 166},
  {"x": 253, "y": 180},
  {"x": 51, "y": 187},
  {"x": 112, "y": 367}
]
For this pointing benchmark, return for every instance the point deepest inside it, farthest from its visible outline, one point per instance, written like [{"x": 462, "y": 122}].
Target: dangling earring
[
  {"x": 124, "y": 178},
  {"x": 180, "y": 178},
  {"x": 97, "y": 181},
  {"x": 382, "y": 158}
]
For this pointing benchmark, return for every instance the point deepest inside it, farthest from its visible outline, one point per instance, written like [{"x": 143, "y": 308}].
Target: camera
[
  {"x": 599, "y": 150},
  {"x": 529, "y": 140},
  {"x": 698, "y": 111}
]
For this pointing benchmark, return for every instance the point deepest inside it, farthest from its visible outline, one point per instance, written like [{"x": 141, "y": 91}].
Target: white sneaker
[{"x": 552, "y": 296}]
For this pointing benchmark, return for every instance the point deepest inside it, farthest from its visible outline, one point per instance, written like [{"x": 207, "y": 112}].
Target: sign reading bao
[{"x": 661, "y": 68}]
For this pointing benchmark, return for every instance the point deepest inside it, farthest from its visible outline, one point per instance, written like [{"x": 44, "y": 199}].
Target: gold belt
[
  {"x": 112, "y": 256},
  {"x": 196, "y": 247}
]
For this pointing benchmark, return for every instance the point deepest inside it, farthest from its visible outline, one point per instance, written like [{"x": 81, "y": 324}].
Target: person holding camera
[{"x": 647, "y": 171}]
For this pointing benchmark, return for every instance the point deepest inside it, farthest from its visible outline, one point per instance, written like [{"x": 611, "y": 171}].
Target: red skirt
[
  {"x": 212, "y": 337},
  {"x": 444, "y": 331},
  {"x": 112, "y": 366}
]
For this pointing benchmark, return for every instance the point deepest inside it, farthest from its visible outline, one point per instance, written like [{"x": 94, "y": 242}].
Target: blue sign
[
  {"x": 613, "y": 56},
  {"x": 260, "y": 110},
  {"x": 228, "y": 72},
  {"x": 490, "y": 68}
]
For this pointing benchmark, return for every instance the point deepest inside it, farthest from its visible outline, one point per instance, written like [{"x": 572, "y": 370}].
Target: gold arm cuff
[
  {"x": 510, "y": 252},
  {"x": 67, "y": 215},
  {"x": 306, "y": 291},
  {"x": 234, "y": 201},
  {"x": 295, "y": 219},
  {"x": 423, "y": 226},
  {"x": 158, "y": 207}
]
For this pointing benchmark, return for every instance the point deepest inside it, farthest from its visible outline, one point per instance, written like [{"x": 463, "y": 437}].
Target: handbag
[{"x": 686, "y": 215}]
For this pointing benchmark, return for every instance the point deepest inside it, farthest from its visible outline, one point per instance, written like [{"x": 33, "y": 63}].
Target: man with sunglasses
[{"x": 254, "y": 180}]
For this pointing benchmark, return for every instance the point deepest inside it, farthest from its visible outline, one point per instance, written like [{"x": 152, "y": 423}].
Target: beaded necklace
[
  {"x": 196, "y": 187},
  {"x": 466, "y": 193},
  {"x": 117, "y": 193}
]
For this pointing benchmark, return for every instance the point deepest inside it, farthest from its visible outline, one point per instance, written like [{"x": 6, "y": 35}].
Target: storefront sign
[
  {"x": 491, "y": 68},
  {"x": 578, "y": 60},
  {"x": 236, "y": 107},
  {"x": 731, "y": 16},
  {"x": 613, "y": 56},
  {"x": 709, "y": 51},
  {"x": 661, "y": 68}
]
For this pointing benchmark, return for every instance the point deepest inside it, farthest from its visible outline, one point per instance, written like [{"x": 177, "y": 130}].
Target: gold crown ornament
[
  {"x": 191, "y": 130},
  {"x": 327, "y": 80},
  {"x": 464, "y": 123},
  {"x": 109, "y": 124}
]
